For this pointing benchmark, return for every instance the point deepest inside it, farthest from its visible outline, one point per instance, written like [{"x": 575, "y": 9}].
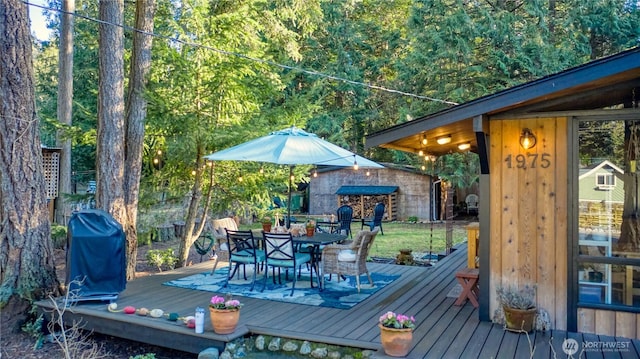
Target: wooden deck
[{"x": 443, "y": 330}]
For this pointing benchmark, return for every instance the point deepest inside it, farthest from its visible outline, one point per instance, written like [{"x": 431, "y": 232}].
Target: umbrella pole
[{"x": 288, "y": 221}]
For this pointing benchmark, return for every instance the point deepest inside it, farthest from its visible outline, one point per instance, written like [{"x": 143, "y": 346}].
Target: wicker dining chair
[{"x": 349, "y": 259}]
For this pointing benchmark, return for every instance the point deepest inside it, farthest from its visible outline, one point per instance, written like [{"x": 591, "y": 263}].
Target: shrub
[
  {"x": 162, "y": 258},
  {"x": 58, "y": 236}
]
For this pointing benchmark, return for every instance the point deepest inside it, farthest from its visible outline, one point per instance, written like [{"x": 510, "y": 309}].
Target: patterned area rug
[{"x": 341, "y": 295}]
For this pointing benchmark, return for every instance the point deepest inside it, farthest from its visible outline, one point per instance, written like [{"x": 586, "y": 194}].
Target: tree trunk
[
  {"x": 65, "y": 101},
  {"x": 630, "y": 231},
  {"x": 26, "y": 252},
  {"x": 111, "y": 128},
  {"x": 136, "y": 114}
]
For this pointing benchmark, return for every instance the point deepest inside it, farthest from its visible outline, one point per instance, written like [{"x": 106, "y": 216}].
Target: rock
[
  {"x": 274, "y": 344},
  {"x": 319, "y": 353},
  {"x": 290, "y": 346},
  {"x": 260, "y": 342},
  {"x": 226, "y": 355},
  {"x": 334, "y": 355},
  {"x": 241, "y": 352},
  {"x": 231, "y": 347},
  {"x": 209, "y": 353},
  {"x": 367, "y": 353},
  {"x": 305, "y": 348}
]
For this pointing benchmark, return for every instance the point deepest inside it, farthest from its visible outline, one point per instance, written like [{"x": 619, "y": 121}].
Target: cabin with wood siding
[{"x": 530, "y": 229}]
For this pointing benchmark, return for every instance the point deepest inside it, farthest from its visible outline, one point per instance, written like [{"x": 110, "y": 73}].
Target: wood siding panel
[
  {"x": 626, "y": 325},
  {"x": 605, "y": 322},
  {"x": 561, "y": 219},
  {"x": 495, "y": 217},
  {"x": 586, "y": 320},
  {"x": 528, "y": 218}
]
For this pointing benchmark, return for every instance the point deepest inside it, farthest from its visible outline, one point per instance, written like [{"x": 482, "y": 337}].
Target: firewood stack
[{"x": 364, "y": 204}]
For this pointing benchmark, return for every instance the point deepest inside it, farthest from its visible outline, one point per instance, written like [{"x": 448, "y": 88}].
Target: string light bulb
[
  {"x": 421, "y": 153},
  {"x": 355, "y": 163},
  {"x": 424, "y": 140},
  {"x": 368, "y": 173},
  {"x": 261, "y": 170}
]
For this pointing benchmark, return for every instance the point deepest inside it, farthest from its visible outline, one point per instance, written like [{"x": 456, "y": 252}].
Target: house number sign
[{"x": 530, "y": 160}]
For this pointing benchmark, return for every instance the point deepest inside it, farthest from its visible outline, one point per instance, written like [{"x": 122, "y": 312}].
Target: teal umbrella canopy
[{"x": 292, "y": 146}]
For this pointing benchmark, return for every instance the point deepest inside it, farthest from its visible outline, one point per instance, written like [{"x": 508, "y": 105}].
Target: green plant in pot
[{"x": 519, "y": 306}]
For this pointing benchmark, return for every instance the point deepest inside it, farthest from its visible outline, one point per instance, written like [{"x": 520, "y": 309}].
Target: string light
[
  {"x": 355, "y": 163},
  {"x": 424, "y": 140}
]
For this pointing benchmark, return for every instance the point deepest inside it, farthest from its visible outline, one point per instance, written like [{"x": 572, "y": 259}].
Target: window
[
  {"x": 608, "y": 258},
  {"x": 605, "y": 180}
]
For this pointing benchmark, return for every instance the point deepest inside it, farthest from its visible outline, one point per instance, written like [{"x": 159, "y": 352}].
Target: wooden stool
[{"x": 468, "y": 278}]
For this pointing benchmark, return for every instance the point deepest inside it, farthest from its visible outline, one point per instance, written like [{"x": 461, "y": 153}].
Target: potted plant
[
  {"x": 311, "y": 228},
  {"x": 266, "y": 224},
  {"x": 396, "y": 333},
  {"x": 519, "y": 307},
  {"x": 224, "y": 314}
]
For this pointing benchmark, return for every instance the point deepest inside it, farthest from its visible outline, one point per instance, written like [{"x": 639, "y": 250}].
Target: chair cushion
[
  {"x": 346, "y": 255},
  {"x": 301, "y": 258}
]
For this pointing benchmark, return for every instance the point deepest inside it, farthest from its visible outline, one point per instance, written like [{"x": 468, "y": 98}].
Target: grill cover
[{"x": 96, "y": 253}]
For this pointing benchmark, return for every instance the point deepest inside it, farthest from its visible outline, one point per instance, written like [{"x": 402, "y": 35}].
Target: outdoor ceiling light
[
  {"x": 443, "y": 140},
  {"x": 527, "y": 139},
  {"x": 464, "y": 146},
  {"x": 424, "y": 140}
]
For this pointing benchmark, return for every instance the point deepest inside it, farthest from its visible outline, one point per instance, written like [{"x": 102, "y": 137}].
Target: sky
[{"x": 38, "y": 24}]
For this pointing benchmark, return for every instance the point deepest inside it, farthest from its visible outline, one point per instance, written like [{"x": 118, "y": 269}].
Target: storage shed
[{"x": 404, "y": 190}]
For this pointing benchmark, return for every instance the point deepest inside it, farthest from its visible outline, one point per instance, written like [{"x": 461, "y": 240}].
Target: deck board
[{"x": 443, "y": 329}]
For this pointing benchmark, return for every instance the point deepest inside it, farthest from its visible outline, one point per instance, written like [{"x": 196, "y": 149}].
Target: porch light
[
  {"x": 464, "y": 146},
  {"x": 527, "y": 139},
  {"x": 424, "y": 140},
  {"x": 443, "y": 140}
]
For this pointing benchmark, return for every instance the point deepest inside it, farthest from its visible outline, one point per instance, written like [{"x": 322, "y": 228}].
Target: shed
[
  {"x": 407, "y": 191},
  {"x": 529, "y": 212}
]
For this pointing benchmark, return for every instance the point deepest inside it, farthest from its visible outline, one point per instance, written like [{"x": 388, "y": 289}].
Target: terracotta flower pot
[
  {"x": 266, "y": 227},
  {"x": 395, "y": 342},
  {"x": 310, "y": 232},
  {"x": 519, "y": 319},
  {"x": 224, "y": 321}
]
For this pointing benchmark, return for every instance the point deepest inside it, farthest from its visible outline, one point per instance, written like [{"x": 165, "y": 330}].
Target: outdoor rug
[{"x": 341, "y": 295}]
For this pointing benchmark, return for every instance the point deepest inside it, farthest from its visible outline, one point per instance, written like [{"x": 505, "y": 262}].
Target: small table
[
  {"x": 468, "y": 278},
  {"x": 315, "y": 241}
]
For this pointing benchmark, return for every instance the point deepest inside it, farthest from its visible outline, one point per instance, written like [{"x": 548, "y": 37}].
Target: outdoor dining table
[{"x": 314, "y": 242}]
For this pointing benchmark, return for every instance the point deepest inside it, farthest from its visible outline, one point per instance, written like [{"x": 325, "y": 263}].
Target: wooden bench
[{"x": 468, "y": 279}]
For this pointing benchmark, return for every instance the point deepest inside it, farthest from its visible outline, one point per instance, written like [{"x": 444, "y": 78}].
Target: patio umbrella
[{"x": 292, "y": 146}]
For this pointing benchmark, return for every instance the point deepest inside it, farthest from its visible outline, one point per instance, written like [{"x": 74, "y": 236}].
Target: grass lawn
[{"x": 419, "y": 237}]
